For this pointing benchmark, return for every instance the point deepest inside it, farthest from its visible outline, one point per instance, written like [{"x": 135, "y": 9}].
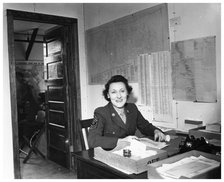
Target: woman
[{"x": 118, "y": 121}]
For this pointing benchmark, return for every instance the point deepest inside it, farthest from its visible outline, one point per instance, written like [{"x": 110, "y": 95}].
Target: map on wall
[
  {"x": 194, "y": 70},
  {"x": 33, "y": 72},
  {"x": 113, "y": 48}
]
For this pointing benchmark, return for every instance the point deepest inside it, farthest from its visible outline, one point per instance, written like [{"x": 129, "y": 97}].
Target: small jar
[{"x": 127, "y": 153}]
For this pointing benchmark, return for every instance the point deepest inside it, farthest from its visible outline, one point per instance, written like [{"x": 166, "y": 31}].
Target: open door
[
  {"x": 57, "y": 98},
  {"x": 63, "y": 94}
]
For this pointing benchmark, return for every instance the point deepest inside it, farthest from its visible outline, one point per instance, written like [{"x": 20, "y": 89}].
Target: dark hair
[{"x": 114, "y": 79}]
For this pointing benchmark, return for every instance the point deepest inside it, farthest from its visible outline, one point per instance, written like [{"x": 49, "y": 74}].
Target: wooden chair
[
  {"x": 30, "y": 132},
  {"x": 85, "y": 124}
]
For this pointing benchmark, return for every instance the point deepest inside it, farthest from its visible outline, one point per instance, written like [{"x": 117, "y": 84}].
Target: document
[
  {"x": 187, "y": 167},
  {"x": 153, "y": 144},
  {"x": 155, "y": 84},
  {"x": 138, "y": 150}
]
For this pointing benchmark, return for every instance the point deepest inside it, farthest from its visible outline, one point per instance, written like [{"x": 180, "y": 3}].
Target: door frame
[{"x": 72, "y": 65}]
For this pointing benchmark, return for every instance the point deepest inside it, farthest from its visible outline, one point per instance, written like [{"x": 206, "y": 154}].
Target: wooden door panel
[
  {"x": 57, "y": 100},
  {"x": 57, "y": 147},
  {"x": 57, "y": 138},
  {"x": 53, "y": 58},
  {"x": 56, "y": 105},
  {"x": 57, "y": 156},
  {"x": 63, "y": 93},
  {"x": 57, "y": 117},
  {"x": 54, "y": 47},
  {"x": 55, "y": 93},
  {"x": 55, "y": 70}
]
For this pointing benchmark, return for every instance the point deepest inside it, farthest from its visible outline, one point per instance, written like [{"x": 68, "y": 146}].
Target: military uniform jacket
[{"x": 107, "y": 126}]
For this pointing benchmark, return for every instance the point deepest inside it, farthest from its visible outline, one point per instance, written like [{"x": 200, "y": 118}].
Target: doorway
[{"x": 70, "y": 83}]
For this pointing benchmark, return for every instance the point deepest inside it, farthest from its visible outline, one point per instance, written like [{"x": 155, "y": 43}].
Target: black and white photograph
[{"x": 111, "y": 90}]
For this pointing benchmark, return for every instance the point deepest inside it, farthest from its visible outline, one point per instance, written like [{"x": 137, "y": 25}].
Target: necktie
[{"x": 123, "y": 117}]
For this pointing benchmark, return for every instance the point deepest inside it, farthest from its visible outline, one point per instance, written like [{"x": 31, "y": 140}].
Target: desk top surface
[{"x": 87, "y": 156}]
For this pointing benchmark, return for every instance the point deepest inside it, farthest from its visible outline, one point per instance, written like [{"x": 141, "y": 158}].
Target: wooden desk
[
  {"x": 89, "y": 168},
  {"x": 202, "y": 132}
]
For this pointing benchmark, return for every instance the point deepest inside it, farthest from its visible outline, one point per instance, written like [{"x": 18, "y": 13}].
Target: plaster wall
[{"x": 197, "y": 20}]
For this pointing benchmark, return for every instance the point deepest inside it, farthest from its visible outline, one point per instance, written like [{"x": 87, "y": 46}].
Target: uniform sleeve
[
  {"x": 144, "y": 126},
  {"x": 96, "y": 138}
]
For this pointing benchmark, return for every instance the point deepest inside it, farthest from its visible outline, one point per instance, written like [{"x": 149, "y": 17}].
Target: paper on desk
[
  {"x": 153, "y": 144},
  {"x": 138, "y": 150},
  {"x": 187, "y": 167}
]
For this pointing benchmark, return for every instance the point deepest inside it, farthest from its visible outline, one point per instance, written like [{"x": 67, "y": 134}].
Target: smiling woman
[
  {"x": 118, "y": 96},
  {"x": 118, "y": 121}
]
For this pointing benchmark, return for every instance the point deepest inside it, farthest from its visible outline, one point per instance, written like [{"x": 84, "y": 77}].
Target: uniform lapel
[
  {"x": 116, "y": 118},
  {"x": 128, "y": 116}
]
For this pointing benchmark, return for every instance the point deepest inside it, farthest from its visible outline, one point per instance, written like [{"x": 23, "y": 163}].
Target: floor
[{"x": 39, "y": 168}]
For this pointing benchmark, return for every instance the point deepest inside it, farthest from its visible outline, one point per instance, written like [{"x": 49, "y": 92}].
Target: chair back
[{"x": 85, "y": 124}]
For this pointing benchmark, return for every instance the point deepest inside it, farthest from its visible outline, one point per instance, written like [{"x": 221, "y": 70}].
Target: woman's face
[{"x": 118, "y": 94}]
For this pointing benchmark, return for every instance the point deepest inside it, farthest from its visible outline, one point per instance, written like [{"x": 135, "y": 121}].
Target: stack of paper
[
  {"x": 141, "y": 156},
  {"x": 152, "y": 144},
  {"x": 187, "y": 167},
  {"x": 138, "y": 150}
]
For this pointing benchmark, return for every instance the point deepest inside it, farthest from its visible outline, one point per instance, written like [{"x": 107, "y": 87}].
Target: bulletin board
[{"x": 113, "y": 48}]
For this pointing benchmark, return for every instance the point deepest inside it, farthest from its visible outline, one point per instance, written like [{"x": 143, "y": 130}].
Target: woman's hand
[{"x": 159, "y": 136}]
